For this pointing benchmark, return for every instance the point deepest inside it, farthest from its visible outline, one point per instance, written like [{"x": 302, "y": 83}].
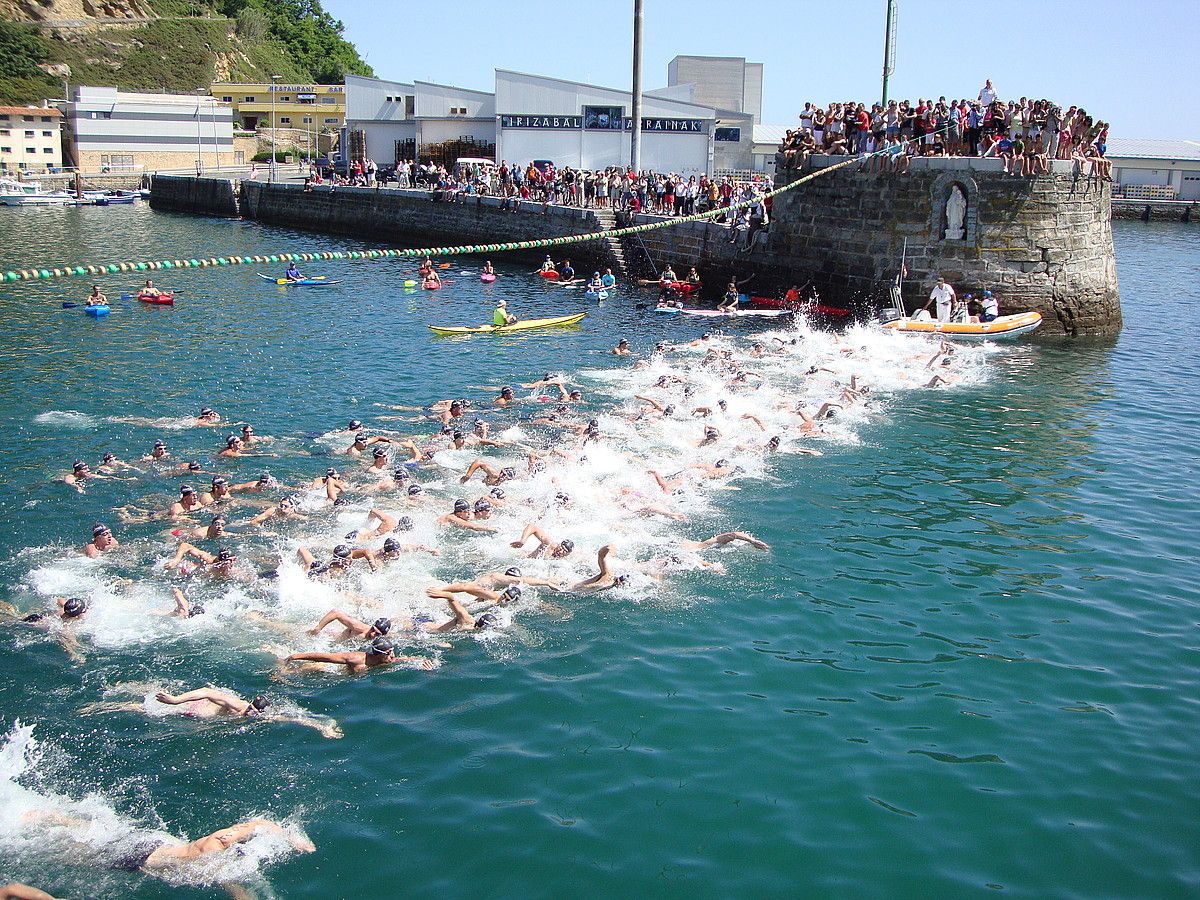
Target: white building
[
  {"x": 105, "y": 129},
  {"x": 584, "y": 126},
  {"x": 30, "y": 139},
  {"x": 402, "y": 120},
  {"x": 1156, "y": 169}
]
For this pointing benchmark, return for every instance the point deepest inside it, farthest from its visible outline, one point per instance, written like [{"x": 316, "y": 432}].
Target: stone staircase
[{"x": 615, "y": 249}]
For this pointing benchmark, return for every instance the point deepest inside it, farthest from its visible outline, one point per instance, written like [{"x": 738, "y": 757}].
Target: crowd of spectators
[{"x": 1024, "y": 134}]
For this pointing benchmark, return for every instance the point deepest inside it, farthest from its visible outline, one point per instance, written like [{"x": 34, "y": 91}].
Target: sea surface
[{"x": 970, "y": 662}]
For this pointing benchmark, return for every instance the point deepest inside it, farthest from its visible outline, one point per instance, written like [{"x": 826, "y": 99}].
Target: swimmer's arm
[
  {"x": 470, "y": 526},
  {"x": 756, "y": 420},
  {"x": 264, "y": 515},
  {"x": 369, "y": 556},
  {"x": 653, "y": 403},
  {"x": 182, "y": 607},
  {"x": 339, "y": 658},
  {"x": 540, "y": 582},
  {"x": 414, "y": 450},
  {"x": 326, "y": 728},
  {"x": 17, "y": 891},
  {"x": 186, "y": 549},
  {"x": 702, "y": 411},
  {"x": 244, "y": 486}
]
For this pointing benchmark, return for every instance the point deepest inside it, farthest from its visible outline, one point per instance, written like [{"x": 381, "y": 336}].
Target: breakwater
[{"x": 1042, "y": 243}]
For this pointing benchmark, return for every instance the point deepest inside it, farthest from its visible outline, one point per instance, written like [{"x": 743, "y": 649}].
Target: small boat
[
  {"x": 487, "y": 277},
  {"x": 431, "y": 285},
  {"x": 318, "y": 281},
  {"x": 736, "y": 314},
  {"x": 108, "y": 198},
  {"x": 527, "y": 325},
  {"x": 1000, "y": 328},
  {"x": 601, "y": 294},
  {"x": 99, "y": 310},
  {"x": 26, "y": 193},
  {"x": 157, "y": 299},
  {"x": 551, "y": 274}
]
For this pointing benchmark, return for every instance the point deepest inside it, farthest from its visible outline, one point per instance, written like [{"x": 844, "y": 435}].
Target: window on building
[
  {"x": 308, "y": 120},
  {"x": 4, "y": 132},
  {"x": 285, "y": 120},
  {"x": 47, "y": 134},
  {"x": 29, "y": 134},
  {"x": 27, "y": 118},
  {"x": 248, "y": 100},
  {"x": 388, "y": 99},
  {"x": 239, "y": 157},
  {"x": 332, "y": 100},
  {"x": 331, "y": 121},
  {"x": 285, "y": 99},
  {"x": 410, "y": 105},
  {"x": 3, "y": 117},
  {"x": 47, "y": 149},
  {"x": 31, "y": 150},
  {"x": 226, "y": 99},
  {"x": 45, "y": 118},
  {"x": 5, "y": 149}
]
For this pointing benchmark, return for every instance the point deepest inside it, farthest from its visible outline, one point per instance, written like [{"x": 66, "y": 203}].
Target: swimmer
[
  {"x": 492, "y": 475},
  {"x": 622, "y": 348},
  {"x": 392, "y": 549},
  {"x": 506, "y": 397},
  {"x": 546, "y": 544},
  {"x": 102, "y": 541},
  {"x": 711, "y": 436},
  {"x": 379, "y": 653},
  {"x": 728, "y": 537},
  {"x": 212, "y": 531},
  {"x": 512, "y": 575},
  {"x": 159, "y": 452},
  {"x": 155, "y": 854},
  {"x": 81, "y": 473},
  {"x": 604, "y": 579},
  {"x": 185, "y": 609},
  {"x": 462, "y": 517},
  {"x": 385, "y": 523},
  {"x": 285, "y": 510},
  {"x": 340, "y": 563},
  {"x": 189, "y": 501},
  {"x": 70, "y": 610},
  {"x": 218, "y": 493},
  {"x": 333, "y": 484},
  {"x": 208, "y": 418},
  {"x": 462, "y": 619},
  {"x": 362, "y": 441},
  {"x": 352, "y": 627},
  {"x": 379, "y": 462},
  {"x": 221, "y": 564},
  {"x": 110, "y": 465},
  {"x": 234, "y": 449},
  {"x": 396, "y": 480}
]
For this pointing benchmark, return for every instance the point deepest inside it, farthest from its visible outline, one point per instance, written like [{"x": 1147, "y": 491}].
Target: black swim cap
[
  {"x": 196, "y": 609},
  {"x": 505, "y": 390},
  {"x": 331, "y": 473},
  {"x": 456, "y": 404},
  {"x": 482, "y": 505},
  {"x": 218, "y": 479},
  {"x": 400, "y": 473},
  {"x": 414, "y": 489},
  {"x": 405, "y": 523},
  {"x": 186, "y": 489},
  {"x": 721, "y": 463},
  {"x": 456, "y": 435},
  {"x": 567, "y": 544},
  {"x": 260, "y": 703},
  {"x": 206, "y": 411},
  {"x": 512, "y": 572},
  {"x": 508, "y": 472},
  {"x": 231, "y": 439},
  {"x": 381, "y": 646},
  {"x": 74, "y": 607},
  {"x": 461, "y": 505},
  {"x": 225, "y": 555},
  {"x": 510, "y": 594},
  {"x": 391, "y": 545},
  {"x": 217, "y": 518},
  {"x": 382, "y": 625},
  {"x": 354, "y": 425},
  {"x": 487, "y": 620},
  {"x": 100, "y": 528},
  {"x": 360, "y": 438},
  {"x": 194, "y": 466},
  {"x": 379, "y": 452},
  {"x": 497, "y": 493},
  {"x": 160, "y": 445},
  {"x": 341, "y": 551},
  {"x": 561, "y": 497},
  {"x": 773, "y": 443},
  {"x": 79, "y": 464},
  {"x": 318, "y": 568}
]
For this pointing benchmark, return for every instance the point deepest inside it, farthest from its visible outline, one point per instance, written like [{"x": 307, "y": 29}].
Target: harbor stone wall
[
  {"x": 202, "y": 196},
  {"x": 1041, "y": 243},
  {"x": 413, "y": 218}
]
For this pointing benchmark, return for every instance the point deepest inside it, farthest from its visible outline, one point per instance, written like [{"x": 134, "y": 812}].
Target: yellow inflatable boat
[{"x": 1000, "y": 328}]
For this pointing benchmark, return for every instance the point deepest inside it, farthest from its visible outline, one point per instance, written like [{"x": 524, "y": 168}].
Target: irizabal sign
[{"x": 573, "y": 123}]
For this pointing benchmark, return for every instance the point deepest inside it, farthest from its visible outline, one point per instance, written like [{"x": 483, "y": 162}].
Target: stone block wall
[
  {"x": 410, "y": 218},
  {"x": 202, "y": 196}
]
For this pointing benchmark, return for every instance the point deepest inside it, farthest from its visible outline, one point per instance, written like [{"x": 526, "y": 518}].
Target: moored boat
[{"x": 1000, "y": 328}]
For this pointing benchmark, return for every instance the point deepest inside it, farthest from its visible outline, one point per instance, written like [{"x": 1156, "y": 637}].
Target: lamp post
[
  {"x": 274, "y": 80},
  {"x": 635, "y": 139},
  {"x": 889, "y": 47},
  {"x": 199, "y": 153}
]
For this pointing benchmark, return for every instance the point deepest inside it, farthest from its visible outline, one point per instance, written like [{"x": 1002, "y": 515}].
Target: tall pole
[
  {"x": 635, "y": 146},
  {"x": 274, "y": 79},
  {"x": 889, "y": 47},
  {"x": 199, "y": 153}
]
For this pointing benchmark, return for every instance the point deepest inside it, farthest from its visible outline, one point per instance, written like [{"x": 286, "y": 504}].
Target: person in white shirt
[
  {"x": 987, "y": 95},
  {"x": 943, "y": 294},
  {"x": 806, "y": 118},
  {"x": 991, "y": 307}
]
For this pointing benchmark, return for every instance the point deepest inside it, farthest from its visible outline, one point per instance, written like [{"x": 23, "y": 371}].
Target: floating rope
[{"x": 195, "y": 263}]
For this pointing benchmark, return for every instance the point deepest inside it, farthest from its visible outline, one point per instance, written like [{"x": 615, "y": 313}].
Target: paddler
[
  {"x": 730, "y": 303},
  {"x": 149, "y": 290},
  {"x": 432, "y": 279},
  {"x": 566, "y": 274},
  {"x": 693, "y": 277},
  {"x": 668, "y": 276},
  {"x": 548, "y": 266},
  {"x": 487, "y": 268},
  {"x": 293, "y": 273},
  {"x": 597, "y": 283},
  {"x": 96, "y": 297},
  {"x": 426, "y": 268},
  {"x": 501, "y": 316},
  {"x": 608, "y": 279}
]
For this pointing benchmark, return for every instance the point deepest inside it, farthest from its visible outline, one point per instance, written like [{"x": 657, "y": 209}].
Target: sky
[{"x": 1129, "y": 62}]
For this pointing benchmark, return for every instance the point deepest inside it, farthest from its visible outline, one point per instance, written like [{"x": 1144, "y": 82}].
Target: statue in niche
[{"x": 956, "y": 211}]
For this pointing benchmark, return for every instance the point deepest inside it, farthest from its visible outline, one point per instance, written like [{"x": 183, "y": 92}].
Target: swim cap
[
  {"x": 381, "y": 646},
  {"x": 414, "y": 489},
  {"x": 464, "y": 403},
  {"x": 456, "y": 435},
  {"x": 382, "y": 625},
  {"x": 461, "y": 505},
  {"x": 193, "y": 466},
  {"x": 721, "y": 403},
  {"x": 196, "y": 609},
  {"x": 160, "y": 445},
  {"x": 225, "y": 555},
  {"x": 405, "y": 523},
  {"x": 567, "y": 545},
  {"x": 260, "y": 703},
  {"x": 512, "y": 572},
  {"x": 487, "y": 620},
  {"x": 510, "y": 594},
  {"x": 341, "y": 501},
  {"x": 456, "y": 404},
  {"x": 341, "y": 551},
  {"x": 218, "y": 518},
  {"x": 108, "y": 457},
  {"x": 99, "y": 529},
  {"x": 318, "y": 568},
  {"x": 560, "y": 497},
  {"x": 379, "y": 452},
  {"x": 265, "y": 478},
  {"x": 400, "y": 473},
  {"x": 622, "y": 343},
  {"x": 497, "y": 493},
  {"x": 669, "y": 409},
  {"x": 593, "y": 423},
  {"x": 505, "y": 390},
  {"x": 206, "y": 411},
  {"x": 74, "y": 607},
  {"x": 576, "y": 395},
  {"x": 710, "y": 432},
  {"x": 773, "y": 443},
  {"x": 706, "y": 336},
  {"x": 186, "y": 489},
  {"x": 360, "y": 438},
  {"x": 232, "y": 439},
  {"x": 78, "y": 464},
  {"x": 482, "y": 506},
  {"x": 217, "y": 479},
  {"x": 508, "y": 472},
  {"x": 721, "y": 463},
  {"x": 391, "y": 545},
  {"x": 354, "y": 425},
  {"x": 331, "y": 473}
]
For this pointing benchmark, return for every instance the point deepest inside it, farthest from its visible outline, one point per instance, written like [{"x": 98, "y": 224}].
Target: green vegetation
[{"x": 195, "y": 43}]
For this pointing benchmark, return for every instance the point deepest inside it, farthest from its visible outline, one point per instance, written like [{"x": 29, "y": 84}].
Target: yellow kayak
[
  {"x": 999, "y": 328},
  {"x": 518, "y": 326}
]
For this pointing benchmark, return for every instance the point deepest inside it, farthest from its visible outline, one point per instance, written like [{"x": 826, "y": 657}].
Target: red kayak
[
  {"x": 684, "y": 287},
  {"x": 548, "y": 274},
  {"x": 800, "y": 305},
  {"x": 431, "y": 285},
  {"x": 160, "y": 299}
]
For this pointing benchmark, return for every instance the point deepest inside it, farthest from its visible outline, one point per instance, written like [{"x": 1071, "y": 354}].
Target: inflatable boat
[{"x": 1000, "y": 328}]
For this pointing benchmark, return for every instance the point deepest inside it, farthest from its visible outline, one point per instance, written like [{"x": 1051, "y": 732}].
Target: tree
[
  {"x": 252, "y": 24},
  {"x": 22, "y": 49}
]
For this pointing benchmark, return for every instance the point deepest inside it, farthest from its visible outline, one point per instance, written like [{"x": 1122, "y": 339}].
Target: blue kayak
[
  {"x": 601, "y": 294},
  {"x": 96, "y": 310},
  {"x": 320, "y": 281}
]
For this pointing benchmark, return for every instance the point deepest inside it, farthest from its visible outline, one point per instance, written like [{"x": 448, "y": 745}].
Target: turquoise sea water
[{"x": 969, "y": 663}]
